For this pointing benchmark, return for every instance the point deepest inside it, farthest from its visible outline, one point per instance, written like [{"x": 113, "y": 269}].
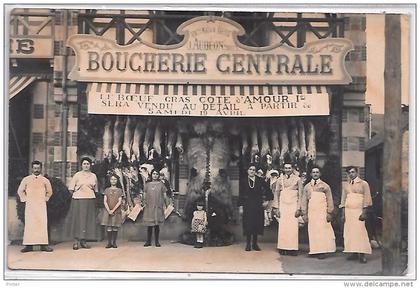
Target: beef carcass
[
  {"x": 128, "y": 137},
  {"x": 311, "y": 140},
  {"x": 157, "y": 139},
  {"x": 107, "y": 140},
  {"x": 294, "y": 139},
  {"x": 265, "y": 146},
  {"x": 284, "y": 140},
  {"x": 138, "y": 137},
  {"x": 234, "y": 128},
  {"x": 245, "y": 141},
  {"x": 275, "y": 145},
  {"x": 118, "y": 137},
  {"x": 178, "y": 145},
  {"x": 255, "y": 149},
  {"x": 148, "y": 137},
  {"x": 302, "y": 141},
  {"x": 172, "y": 137}
]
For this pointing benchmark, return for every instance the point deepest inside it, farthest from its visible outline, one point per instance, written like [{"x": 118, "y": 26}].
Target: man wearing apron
[
  {"x": 35, "y": 190},
  {"x": 317, "y": 206},
  {"x": 355, "y": 200},
  {"x": 286, "y": 206}
]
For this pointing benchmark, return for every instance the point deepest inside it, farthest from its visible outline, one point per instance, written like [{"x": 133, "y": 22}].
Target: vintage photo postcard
[{"x": 208, "y": 142}]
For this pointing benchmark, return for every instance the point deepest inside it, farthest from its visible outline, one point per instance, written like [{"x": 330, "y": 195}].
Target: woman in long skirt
[{"x": 82, "y": 213}]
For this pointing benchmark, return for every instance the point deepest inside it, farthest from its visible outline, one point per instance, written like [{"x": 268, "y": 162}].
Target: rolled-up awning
[
  {"x": 18, "y": 83},
  {"x": 207, "y": 100}
]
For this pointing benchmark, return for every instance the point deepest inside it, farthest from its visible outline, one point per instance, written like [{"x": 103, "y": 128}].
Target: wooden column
[{"x": 391, "y": 254}]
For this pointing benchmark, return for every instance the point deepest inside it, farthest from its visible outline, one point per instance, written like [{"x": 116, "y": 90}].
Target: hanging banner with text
[
  {"x": 210, "y": 53},
  {"x": 207, "y": 100}
]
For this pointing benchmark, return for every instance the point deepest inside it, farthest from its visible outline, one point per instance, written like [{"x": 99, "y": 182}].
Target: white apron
[
  {"x": 36, "y": 231},
  {"x": 288, "y": 234},
  {"x": 321, "y": 233},
  {"x": 356, "y": 239}
]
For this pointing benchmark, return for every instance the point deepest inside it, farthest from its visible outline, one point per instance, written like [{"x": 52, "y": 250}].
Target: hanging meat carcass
[
  {"x": 294, "y": 140},
  {"x": 255, "y": 149},
  {"x": 172, "y": 137},
  {"x": 302, "y": 141},
  {"x": 157, "y": 139},
  {"x": 284, "y": 141},
  {"x": 138, "y": 137},
  {"x": 107, "y": 139},
  {"x": 178, "y": 145},
  {"x": 118, "y": 137},
  {"x": 128, "y": 137},
  {"x": 148, "y": 137},
  {"x": 275, "y": 145},
  {"x": 265, "y": 146},
  {"x": 311, "y": 140},
  {"x": 245, "y": 141}
]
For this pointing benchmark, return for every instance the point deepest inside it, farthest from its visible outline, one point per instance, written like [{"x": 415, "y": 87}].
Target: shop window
[
  {"x": 37, "y": 138},
  {"x": 38, "y": 111}
]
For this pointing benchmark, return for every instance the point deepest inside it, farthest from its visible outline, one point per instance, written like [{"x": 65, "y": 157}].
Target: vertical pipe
[
  {"x": 64, "y": 106},
  {"x": 391, "y": 253}
]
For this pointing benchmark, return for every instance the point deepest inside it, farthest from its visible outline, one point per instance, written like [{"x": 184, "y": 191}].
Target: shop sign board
[
  {"x": 31, "y": 47},
  {"x": 210, "y": 53},
  {"x": 125, "y": 101}
]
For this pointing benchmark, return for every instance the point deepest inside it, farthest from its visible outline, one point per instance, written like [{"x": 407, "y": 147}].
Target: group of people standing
[
  {"x": 290, "y": 197},
  {"x": 81, "y": 220}
]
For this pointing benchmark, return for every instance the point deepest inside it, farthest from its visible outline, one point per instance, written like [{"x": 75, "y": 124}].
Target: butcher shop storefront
[
  {"x": 199, "y": 96},
  {"x": 203, "y": 109}
]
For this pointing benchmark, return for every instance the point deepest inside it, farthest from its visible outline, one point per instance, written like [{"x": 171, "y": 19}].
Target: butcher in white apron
[
  {"x": 355, "y": 200},
  {"x": 35, "y": 190},
  {"x": 286, "y": 205},
  {"x": 317, "y": 205}
]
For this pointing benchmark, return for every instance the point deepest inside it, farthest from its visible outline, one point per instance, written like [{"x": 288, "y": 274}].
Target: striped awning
[
  {"x": 205, "y": 90},
  {"x": 173, "y": 99},
  {"x": 18, "y": 83}
]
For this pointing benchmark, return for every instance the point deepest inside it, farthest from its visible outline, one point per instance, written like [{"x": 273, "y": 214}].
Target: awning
[
  {"x": 207, "y": 100},
  {"x": 18, "y": 83}
]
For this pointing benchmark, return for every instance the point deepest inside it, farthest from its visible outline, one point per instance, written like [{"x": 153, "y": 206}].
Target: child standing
[
  {"x": 199, "y": 224},
  {"x": 112, "y": 217}
]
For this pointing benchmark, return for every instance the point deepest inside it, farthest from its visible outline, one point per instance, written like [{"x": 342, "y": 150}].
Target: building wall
[{"x": 354, "y": 112}]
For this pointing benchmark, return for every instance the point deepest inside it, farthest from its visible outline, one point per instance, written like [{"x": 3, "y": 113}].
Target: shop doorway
[{"x": 19, "y": 139}]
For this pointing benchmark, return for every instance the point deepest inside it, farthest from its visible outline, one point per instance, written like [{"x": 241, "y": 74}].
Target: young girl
[
  {"x": 112, "y": 218},
  {"x": 199, "y": 224}
]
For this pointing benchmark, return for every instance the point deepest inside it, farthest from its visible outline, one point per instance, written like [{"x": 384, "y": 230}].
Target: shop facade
[{"x": 129, "y": 88}]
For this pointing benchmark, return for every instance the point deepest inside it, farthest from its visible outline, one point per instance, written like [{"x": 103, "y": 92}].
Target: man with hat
[{"x": 286, "y": 206}]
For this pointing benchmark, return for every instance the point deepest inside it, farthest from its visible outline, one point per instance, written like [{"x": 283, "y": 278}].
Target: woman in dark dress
[{"x": 254, "y": 194}]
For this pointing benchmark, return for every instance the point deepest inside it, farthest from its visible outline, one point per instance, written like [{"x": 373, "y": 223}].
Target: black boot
[
  {"x": 109, "y": 236},
  {"x": 254, "y": 243},
  {"x": 27, "y": 248},
  {"x": 114, "y": 239},
  {"x": 248, "y": 242},
  {"x": 149, "y": 236},
  {"x": 157, "y": 230}
]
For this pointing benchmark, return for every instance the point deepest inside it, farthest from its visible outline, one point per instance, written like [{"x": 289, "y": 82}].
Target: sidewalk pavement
[{"x": 177, "y": 257}]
